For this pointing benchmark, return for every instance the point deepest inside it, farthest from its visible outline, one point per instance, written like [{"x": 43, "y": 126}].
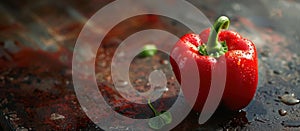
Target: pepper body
[{"x": 241, "y": 67}]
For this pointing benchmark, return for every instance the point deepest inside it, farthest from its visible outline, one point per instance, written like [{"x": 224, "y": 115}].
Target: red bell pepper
[{"x": 211, "y": 47}]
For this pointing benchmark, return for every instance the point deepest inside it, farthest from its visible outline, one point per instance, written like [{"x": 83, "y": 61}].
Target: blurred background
[{"x": 37, "y": 38}]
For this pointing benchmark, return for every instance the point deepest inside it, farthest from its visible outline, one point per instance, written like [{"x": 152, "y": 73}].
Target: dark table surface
[{"x": 37, "y": 38}]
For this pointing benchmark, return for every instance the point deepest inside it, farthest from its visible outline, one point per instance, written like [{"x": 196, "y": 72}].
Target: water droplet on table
[{"x": 289, "y": 99}]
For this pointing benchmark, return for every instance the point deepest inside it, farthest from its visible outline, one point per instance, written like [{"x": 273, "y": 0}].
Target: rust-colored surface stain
[{"x": 37, "y": 38}]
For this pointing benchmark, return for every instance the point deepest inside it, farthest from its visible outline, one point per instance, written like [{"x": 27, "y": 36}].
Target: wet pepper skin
[{"x": 241, "y": 64}]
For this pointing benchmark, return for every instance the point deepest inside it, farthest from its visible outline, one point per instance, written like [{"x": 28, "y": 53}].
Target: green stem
[
  {"x": 214, "y": 47},
  {"x": 152, "y": 108}
]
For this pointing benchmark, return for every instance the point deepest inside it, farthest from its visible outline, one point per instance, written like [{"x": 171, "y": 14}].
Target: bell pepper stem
[
  {"x": 213, "y": 47},
  {"x": 152, "y": 108}
]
